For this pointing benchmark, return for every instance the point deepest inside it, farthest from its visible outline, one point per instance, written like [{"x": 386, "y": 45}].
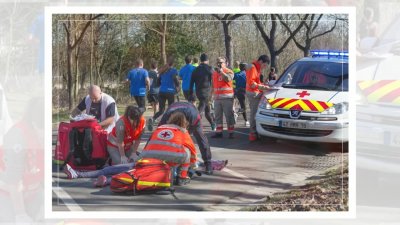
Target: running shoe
[
  {"x": 71, "y": 173},
  {"x": 101, "y": 181}
]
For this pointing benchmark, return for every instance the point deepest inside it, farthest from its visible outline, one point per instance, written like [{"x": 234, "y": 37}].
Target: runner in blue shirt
[
  {"x": 169, "y": 86},
  {"x": 139, "y": 84},
  {"x": 186, "y": 74},
  {"x": 240, "y": 90}
]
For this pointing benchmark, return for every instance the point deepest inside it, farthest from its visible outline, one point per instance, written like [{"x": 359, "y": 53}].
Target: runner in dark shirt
[{"x": 201, "y": 77}]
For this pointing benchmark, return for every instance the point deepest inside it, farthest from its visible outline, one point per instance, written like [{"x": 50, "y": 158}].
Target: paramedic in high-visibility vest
[
  {"x": 195, "y": 126},
  {"x": 99, "y": 105},
  {"x": 223, "y": 97},
  {"x": 171, "y": 142},
  {"x": 124, "y": 139},
  {"x": 254, "y": 90}
]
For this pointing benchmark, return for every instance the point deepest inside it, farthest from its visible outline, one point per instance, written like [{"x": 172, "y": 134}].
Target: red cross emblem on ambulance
[{"x": 303, "y": 94}]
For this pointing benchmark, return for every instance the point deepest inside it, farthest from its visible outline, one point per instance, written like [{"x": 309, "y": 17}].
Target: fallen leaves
[{"x": 328, "y": 193}]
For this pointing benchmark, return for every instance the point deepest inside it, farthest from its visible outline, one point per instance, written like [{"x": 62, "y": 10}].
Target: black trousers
[
  {"x": 189, "y": 97},
  {"x": 241, "y": 96},
  {"x": 162, "y": 99},
  {"x": 204, "y": 108},
  {"x": 202, "y": 141},
  {"x": 141, "y": 102}
]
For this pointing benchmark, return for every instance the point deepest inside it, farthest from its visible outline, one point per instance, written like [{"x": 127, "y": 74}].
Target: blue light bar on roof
[{"x": 329, "y": 53}]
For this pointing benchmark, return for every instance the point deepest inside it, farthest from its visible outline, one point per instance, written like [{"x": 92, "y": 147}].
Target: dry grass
[{"x": 328, "y": 193}]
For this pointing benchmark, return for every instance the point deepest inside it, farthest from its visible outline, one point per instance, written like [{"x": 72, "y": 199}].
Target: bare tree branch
[
  {"x": 289, "y": 30},
  {"x": 65, "y": 27},
  {"x": 152, "y": 29},
  {"x": 82, "y": 34},
  {"x": 216, "y": 16},
  {"x": 260, "y": 27},
  {"x": 316, "y": 23},
  {"x": 309, "y": 27},
  {"x": 292, "y": 35},
  {"x": 322, "y": 34},
  {"x": 234, "y": 17}
]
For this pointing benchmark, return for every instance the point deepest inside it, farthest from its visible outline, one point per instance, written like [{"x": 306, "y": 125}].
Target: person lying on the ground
[
  {"x": 99, "y": 105},
  {"x": 104, "y": 175},
  {"x": 123, "y": 141},
  {"x": 172, "y": 143},
  {"x": 193, "y": 116}
]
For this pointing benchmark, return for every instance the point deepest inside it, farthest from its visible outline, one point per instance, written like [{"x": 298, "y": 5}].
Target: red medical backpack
[
  {"x": 148, "y": 175},
  {"x": 81, "y": 144}
]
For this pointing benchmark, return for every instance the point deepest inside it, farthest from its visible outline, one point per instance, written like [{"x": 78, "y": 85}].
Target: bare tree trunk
[
  {"x": 69, "y": 72},
  {"x": 228, "y": 43},
  {"x": 273, "y": 58},
  {"x": 163, "y": 37},
  {"x": 70, "y": 47},
  {"x": 226, "y": 21},
  {"x": 163, "y": 52},
  {"x": 91, "y": 55},
  {"x": 306, "y": 49},
  {"x": 76, "y": 72}
]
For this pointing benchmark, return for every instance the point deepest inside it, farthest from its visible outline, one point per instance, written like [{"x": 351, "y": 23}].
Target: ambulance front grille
[{"x": 297, "y": 132}]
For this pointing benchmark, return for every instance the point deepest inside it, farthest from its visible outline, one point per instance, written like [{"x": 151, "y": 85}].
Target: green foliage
[
  {"x": 178, "y": 44},
  {"x": 183, "y": 45}
]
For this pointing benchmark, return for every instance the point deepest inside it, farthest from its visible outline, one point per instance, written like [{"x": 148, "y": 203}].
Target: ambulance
[{"x": 309, "y": 101}]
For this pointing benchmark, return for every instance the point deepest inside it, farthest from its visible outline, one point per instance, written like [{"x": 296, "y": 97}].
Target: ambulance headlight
[
  {"x": 337, "y": 109},
  {"x": 264, "y": 104}
]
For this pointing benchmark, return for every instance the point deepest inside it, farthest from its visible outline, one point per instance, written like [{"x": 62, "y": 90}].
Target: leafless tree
[
  {"x": 75, "y": 31},
  {"x": 226, "y": 20},
  {"x": 312, "y": 31}
]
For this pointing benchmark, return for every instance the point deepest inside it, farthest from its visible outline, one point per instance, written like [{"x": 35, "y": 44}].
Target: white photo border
[{"x": 50, "y": 214}]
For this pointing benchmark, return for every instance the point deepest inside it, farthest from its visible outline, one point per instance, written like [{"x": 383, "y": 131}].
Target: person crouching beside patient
[
  {"x": 172, "y": 143},
  {"x": 124, "y": 139}
]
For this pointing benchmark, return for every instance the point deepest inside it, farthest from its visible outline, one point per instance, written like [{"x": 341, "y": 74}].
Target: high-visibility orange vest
[
  {"x": 253, "y": 78},
  {"x": 131, "y": 134},
  {"x": 170, "y": 142},
  {"x": 222, "y": 89}
]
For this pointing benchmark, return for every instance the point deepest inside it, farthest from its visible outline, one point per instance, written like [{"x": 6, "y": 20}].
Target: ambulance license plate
[{"x": 293, "y": 125}]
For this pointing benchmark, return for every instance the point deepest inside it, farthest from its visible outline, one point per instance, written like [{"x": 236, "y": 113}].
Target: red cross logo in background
[
  {"x": 303, "y": 94},
  {"x": 165, "y": 134}
]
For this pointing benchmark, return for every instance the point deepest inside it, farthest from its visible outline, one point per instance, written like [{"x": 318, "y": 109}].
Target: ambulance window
[
  {"x": 288, "y": 75},
  {"x": 317, "y": 75}
]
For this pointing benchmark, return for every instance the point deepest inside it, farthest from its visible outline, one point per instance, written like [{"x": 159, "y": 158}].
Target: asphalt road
[{"x": 254, "y": 171}]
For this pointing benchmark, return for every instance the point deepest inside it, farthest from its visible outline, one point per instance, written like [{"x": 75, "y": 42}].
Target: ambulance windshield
[{"x": 316, "y": 75}]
